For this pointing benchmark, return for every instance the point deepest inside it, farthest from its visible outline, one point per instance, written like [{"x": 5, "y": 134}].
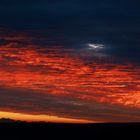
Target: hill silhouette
[
  {"x": 7, "y": 120},
  {"x": 67, "y": 131}
]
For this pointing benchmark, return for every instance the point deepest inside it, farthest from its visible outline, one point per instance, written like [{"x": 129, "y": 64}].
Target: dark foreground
[{"x": 69, "y": 131}]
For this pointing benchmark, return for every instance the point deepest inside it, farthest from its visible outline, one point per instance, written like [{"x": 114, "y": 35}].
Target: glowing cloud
[{"x": 67, "y": 86}]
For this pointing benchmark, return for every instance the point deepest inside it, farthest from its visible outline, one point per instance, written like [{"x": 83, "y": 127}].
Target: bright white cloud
[{"x": 95, "y": 46}]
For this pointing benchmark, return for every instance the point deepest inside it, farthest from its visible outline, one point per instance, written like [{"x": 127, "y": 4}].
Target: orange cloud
[{"x": 56, "y": 72}]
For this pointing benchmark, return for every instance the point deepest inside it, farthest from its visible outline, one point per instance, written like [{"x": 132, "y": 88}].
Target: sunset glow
[{"x": 40, "y": 118}]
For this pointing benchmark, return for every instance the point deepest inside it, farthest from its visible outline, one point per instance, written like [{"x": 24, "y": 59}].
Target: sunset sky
[{"x": 75, "y": 61}]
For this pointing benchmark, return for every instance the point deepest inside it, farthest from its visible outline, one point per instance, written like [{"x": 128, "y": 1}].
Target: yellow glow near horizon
[{"x": 38, "y": 118}]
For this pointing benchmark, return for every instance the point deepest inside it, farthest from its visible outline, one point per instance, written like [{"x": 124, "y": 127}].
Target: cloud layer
[{"x": 76, "y": 83}]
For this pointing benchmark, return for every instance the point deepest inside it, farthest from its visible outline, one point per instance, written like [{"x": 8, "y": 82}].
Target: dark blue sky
[
  {"x": 115, "y": 23},
  {"x": 44, "y": 11}
]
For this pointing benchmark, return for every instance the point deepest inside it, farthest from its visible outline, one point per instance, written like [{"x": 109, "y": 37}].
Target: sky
[{"x": 70, "y": 60}]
